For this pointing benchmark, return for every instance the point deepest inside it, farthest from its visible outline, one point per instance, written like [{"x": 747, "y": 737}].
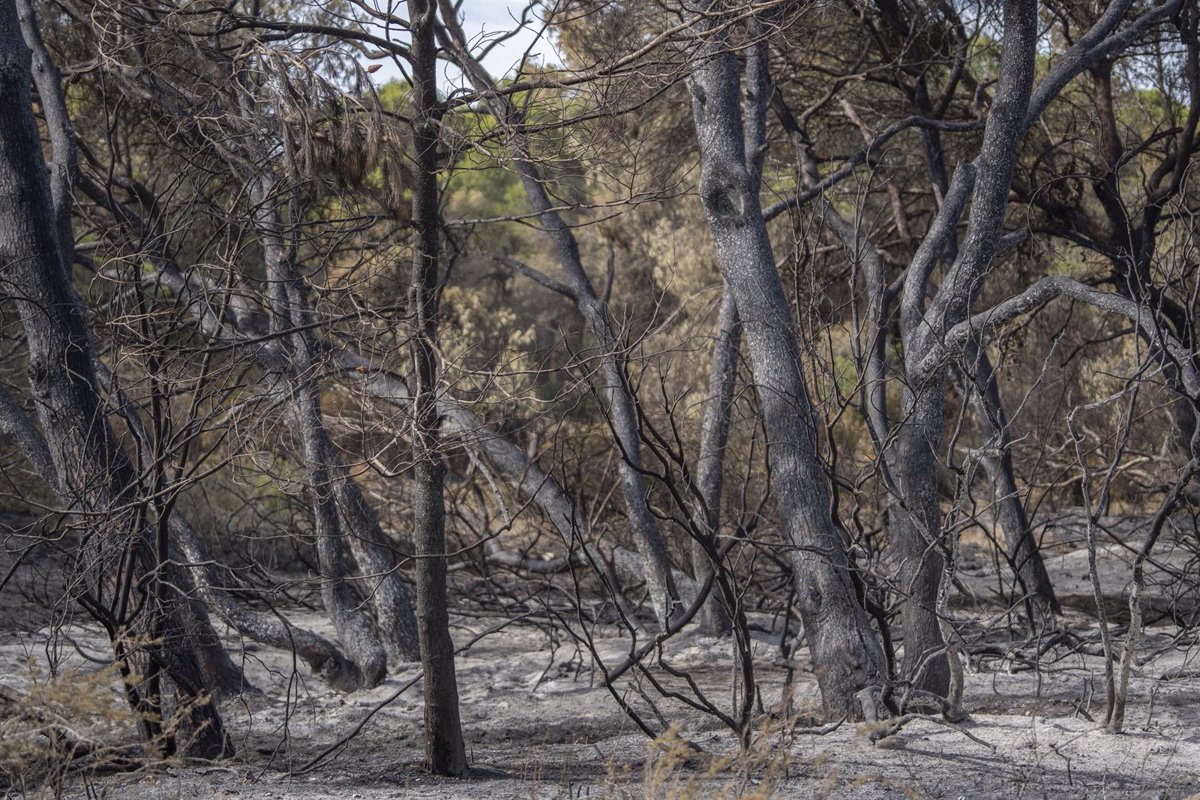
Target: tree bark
[
  {"x": 613, "y": 383},
  {"x": 290, "y": 321},
  {"x": 444, "y": 747},
  {"x": 93, "y": 475},
  {"x": 1023, "y": 551},
  {"x": 379, "y": 569},
  {"x": 980, "y": 385},
  {"x": 846, "y": 653},
  {"x": 714, "y": 618},
  {"x": 916, "y": 532},
  {"x": 354, "y": 520},
  {"x": 321, "y": 655}
]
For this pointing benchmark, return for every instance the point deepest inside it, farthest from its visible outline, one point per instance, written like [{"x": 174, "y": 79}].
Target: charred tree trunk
[
  {"x": 93, "y": 474},
  {"x": 339, "y": 505},
  {"x": 290, "y": 321},
  {"x": 378, "y": 566},
  {"x": 444, "y": 746},
  {"x": 244, "y": 331},
  {"x": 714, "y": 618},
  {"x": 321, "y": 655},
  {"x": 915, "y": 534},
  {"x": 981, "y": 386},
  {"x": 219, "y": 673},
  {"x": 1023, "y": 552},
  {"x": 613, "y": 381},
  {"x": 845, "y": 651},
  {"x": 916, "y": 527}
]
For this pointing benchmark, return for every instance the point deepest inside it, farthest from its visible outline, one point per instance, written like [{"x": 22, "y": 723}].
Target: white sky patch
[{"x": 483, "y": 21}]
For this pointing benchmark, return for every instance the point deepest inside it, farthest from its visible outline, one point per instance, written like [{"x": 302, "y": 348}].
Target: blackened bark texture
[
  {"x": 93, "y": 476},
  {"x": 222, "y": 676},
  {"x": 613, "y": 382},
  {"x": 356, "y": 521},
  {"x": 915, "y": 535},
  {"x": 916, "y": 532},
  {"x": 444, "y": 748},
  {"x": 977, "y": 380},
  {"x": 290, "y": 321},
  {"x": 846, "y": 653},
  {"x": 378, "y": 567},
  {"x": 64, "y": 166},
  {"x": 218, "y": 671},
  {"x": 714, "y": 618},
  {"x": 349, "y": 518},
  {"x": 16, "y": 425}
]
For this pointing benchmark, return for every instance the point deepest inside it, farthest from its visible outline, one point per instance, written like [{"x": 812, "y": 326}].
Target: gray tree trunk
[
  {"x": 444, "y": 747},
  {"x": 846, "y": 653},
  {"x": 93, "y": 475},
  {"x": 219, "y": 672},
  {"x": 244, "y": 327},
  {"x": 321, "y": 655},
  {"x": 290, "y": 321},
  {"x": 915, "y": 534},
  {"x": 1023, "y": 552},
  {"x": 613, "y": 381},
  {"x": 197, "y": 579},
  {"x": 985, "y": 398},
  {"x": 714, "y": 618},
  {"x": 356, "y": 521},
  {"x": 916, "y": 530},
  {"x": 378, "y": 566}
]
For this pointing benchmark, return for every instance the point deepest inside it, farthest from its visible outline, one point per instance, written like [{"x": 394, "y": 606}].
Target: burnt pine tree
[
  {"x": 122, "y": 550},
  {"x": 444, "y": 746},
  {"x": 845, "y": 650}
]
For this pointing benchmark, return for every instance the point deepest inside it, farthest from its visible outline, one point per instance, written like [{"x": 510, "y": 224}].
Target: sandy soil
[{"x": 539, "y": 724}]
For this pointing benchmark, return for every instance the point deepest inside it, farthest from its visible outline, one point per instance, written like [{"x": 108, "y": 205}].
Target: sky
[{"x": 481, "y": 20}]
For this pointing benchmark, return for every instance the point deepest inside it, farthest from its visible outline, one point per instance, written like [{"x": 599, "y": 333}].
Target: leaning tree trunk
[
  {"x": 359, "y": 523},
  {"x": 915, "y": 528},
  {"x": 290, "y": 321},
  {"x": 321, "y": 655},
  {"x": 714, "y": 618},
  {"x": 714, "y": 428},
  {"x": 444, "y": 746},
  {"x": 93, "y": 474},
  {"x": 349, "y": 517},
  {"x": 613, "y": 380},
  {"x": 378, "y": 567},
  {"x": 846, "y": 653},
  {"x": 1023, "y": 551}
]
